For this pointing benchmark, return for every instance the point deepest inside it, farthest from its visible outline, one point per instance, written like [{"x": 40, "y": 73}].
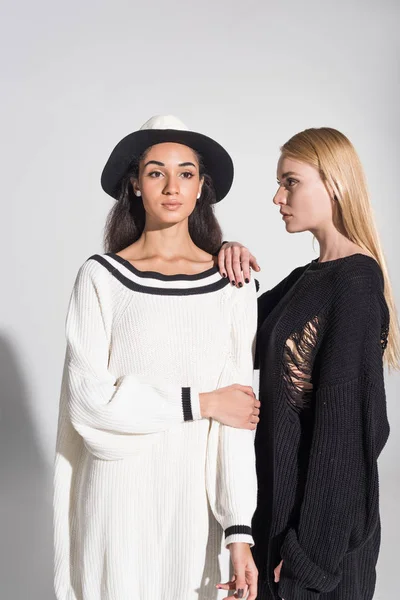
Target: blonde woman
[{"x": 323, "y": 334}]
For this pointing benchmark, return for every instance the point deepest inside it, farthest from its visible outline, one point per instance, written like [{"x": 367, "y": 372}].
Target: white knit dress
[{"x": 147, "y": 493}]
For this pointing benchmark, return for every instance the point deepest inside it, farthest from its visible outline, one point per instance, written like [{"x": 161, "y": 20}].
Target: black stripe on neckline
[
  {"x": 161, "y": 276},
  {"x": 237, "y": 529},
  {"x": 205, "y": 289}
]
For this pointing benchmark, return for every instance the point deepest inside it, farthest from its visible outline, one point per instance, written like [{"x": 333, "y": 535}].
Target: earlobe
[
  {"x": 200, "y": 190},
  {"x": 134, "y": 184},
  {"x": 330, "y": 189}
]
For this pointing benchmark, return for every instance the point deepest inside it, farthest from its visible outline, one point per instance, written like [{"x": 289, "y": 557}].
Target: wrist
[
  {"x": 239, "y": 536},
  {"x": 238, "y": 545}
]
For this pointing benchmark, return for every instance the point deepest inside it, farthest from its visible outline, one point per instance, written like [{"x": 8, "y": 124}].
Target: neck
[
  {"x": 167, "y": 242},
  {"x": 333, "y": 244}
]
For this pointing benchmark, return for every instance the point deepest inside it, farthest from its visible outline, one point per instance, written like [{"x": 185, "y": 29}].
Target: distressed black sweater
[{"x": 323, "y": 423}]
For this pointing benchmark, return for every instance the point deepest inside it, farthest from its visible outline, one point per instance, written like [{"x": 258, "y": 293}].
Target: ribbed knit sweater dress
[
  {"x": 147, "y": 494},
  {"x": 323, "y": 423}
]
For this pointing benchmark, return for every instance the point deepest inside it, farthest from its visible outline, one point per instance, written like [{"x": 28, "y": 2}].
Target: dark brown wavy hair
[{"x": 126, "y": 220}]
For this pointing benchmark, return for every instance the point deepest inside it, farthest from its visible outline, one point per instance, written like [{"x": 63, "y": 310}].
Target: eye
[
  {"x": 290, "y": 182},
  {"x": 187, "y": 175},
  {"x": 155, "y": 174}
]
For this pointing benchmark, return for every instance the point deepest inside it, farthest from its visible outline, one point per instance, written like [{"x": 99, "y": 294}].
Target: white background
[{"x": 78, "y": 76}]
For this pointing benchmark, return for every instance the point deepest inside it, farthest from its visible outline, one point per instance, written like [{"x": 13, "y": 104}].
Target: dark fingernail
[
  {"x": 233, "y": 282},
  {"x": 223, "y": 274},
  {"x": 240, "y": 593},
  {"x": 247, "y": 280},
  {"x": 240, "y": 284}
]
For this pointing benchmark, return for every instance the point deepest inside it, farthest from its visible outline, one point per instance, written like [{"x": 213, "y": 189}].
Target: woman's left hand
[
  {"x": 236, "y": 261},
  {"x": 277, "y": 572},
  {"x": 244, "y": 580}
]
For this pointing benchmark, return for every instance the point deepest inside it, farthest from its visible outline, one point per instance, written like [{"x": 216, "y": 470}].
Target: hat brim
[{"x": 217, "y": 162}]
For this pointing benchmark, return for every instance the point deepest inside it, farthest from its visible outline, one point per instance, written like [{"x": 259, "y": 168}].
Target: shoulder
[
  {"x": 97, "y": 277},
  {"x": 293, "y": 276},
  {"x": 357, "y": 277},
  {"x": 357, "y": 305},
  {"x": 95, "y": 287},
  {"x": 92, "y": 270},
  {"x": 285, "y": 284},
  {"x": 355, "y": 321},
  {"x": 296, "y": 273}
]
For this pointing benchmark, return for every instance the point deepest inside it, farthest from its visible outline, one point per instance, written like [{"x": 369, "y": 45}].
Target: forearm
[
  {"x": 68, "y": 456},
  {"x": 132, "y": 405},
  {"x": 231, "y": 481}
]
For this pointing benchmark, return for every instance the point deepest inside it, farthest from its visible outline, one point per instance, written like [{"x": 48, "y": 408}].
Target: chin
[
  {"x": 172, "y": 218},
  {"x": 290, "y": 228},
  {"x": 293, "y": 228}
]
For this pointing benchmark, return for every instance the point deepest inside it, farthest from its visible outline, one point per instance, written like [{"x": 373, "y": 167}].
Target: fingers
[
  {"x": 251, "y": 419},
  {"x": 277, "y": 572},
  {"x": 246, "y": 389},
  {"x": 221, "y": 262},
  {"x": 253, "y": 589},
  {"x": 254, "y": 417},
  {"x": 245, "y": 262},
  {"x": 228, "y": 265},
  {"x": 254, "y": 264},
  {"x": 241, "y": 585},
  {"x": 237, "y": 265},
  {"x": 239, "y": 567},
  {"x": 235, "y": 261},
  {"x": 230, "y": 585}
]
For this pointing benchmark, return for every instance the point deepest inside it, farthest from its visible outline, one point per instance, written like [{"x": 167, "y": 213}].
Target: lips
[{"x": 172, "y": 205}]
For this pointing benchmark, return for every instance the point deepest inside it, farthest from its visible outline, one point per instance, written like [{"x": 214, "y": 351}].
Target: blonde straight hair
[{"x": 340, "y": 167}]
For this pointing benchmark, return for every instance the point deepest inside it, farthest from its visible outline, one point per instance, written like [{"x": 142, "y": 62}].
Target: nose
[
  {"x": 171, "y": 186},
  {"x": 280, "y": 196}
]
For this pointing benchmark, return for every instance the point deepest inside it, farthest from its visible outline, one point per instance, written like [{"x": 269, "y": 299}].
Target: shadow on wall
[{"x": 26, "y": 561}]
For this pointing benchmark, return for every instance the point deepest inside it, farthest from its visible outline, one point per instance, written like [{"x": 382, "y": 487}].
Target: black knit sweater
[{"x": 323, "y": 423}]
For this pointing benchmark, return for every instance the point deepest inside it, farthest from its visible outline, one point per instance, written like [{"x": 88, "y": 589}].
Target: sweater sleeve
[
  {"x": 339, "y": 510},
  {"x": 230, "y": 473},
  {"x": 101, "y": 408},
  {"x": 269, "y": 299},
  {"x": 69, "y": 451}
]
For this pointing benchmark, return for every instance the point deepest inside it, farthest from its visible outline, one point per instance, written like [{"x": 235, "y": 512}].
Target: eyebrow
[
  {"x": 288, "y": 174},
  {"x": 161, "y": 164}
]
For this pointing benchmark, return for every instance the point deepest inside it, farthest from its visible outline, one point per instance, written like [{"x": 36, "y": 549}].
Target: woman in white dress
[{"x": 155, "y": 483}]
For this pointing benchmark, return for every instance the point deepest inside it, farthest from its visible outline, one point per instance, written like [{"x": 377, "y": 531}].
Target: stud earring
[
  {"x": 138, "y": 193},
  {"x": 198, "y": 195}
]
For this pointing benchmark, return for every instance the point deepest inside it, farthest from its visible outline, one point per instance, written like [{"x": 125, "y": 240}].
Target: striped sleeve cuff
[
  {"x": 190, "y": 404},
  {"x": 239, "y": 533}
]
